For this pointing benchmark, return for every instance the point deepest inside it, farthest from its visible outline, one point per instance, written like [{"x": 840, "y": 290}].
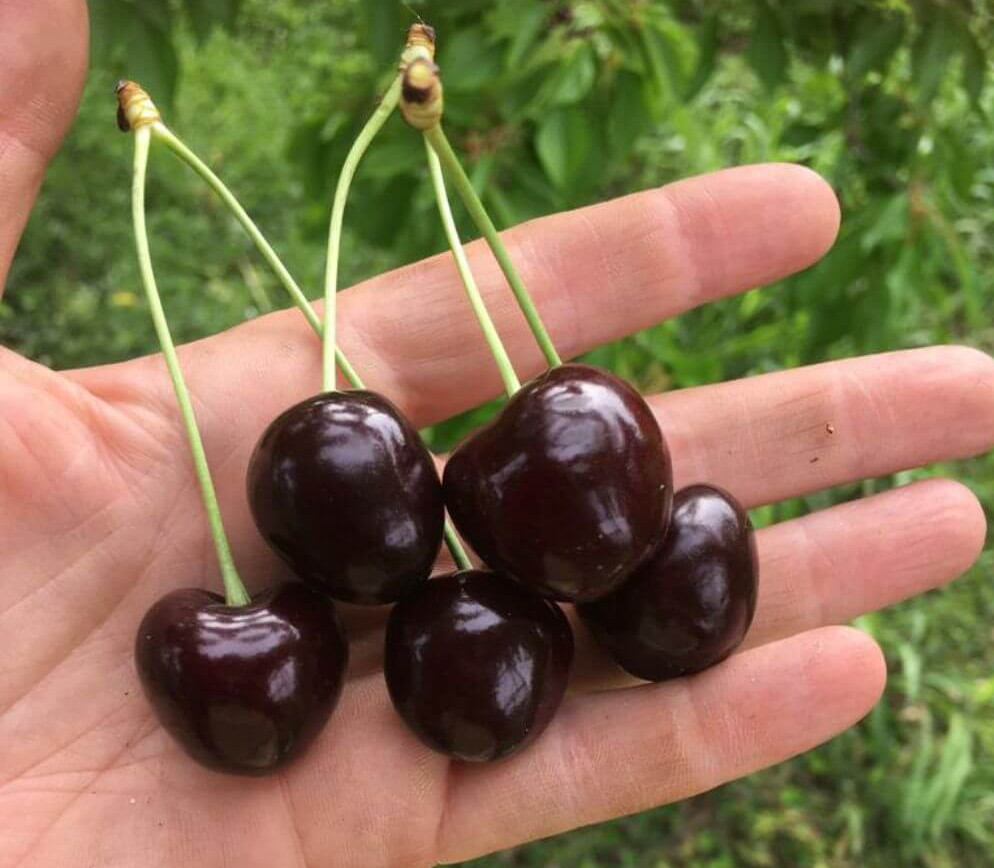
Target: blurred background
[{"x": 554, "y": 105}]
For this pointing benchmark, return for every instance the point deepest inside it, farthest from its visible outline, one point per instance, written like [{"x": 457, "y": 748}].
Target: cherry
[
  {"x": 243, "y": 689},
  {"x": 569, "y": 488},
  {"x": 475, "y": 665},
  {"x": 692, "y": 604},
  {"x": 343, "y": 488}
]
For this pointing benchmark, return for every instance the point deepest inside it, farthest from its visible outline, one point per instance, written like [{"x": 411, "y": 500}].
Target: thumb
[{"x": 43, "y": 57}]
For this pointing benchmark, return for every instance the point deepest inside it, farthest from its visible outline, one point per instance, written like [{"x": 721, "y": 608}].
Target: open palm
[{"x": 100, "y": 515}]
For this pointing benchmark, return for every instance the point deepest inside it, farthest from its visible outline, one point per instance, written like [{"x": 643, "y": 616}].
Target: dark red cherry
[
  {"x": 691, "y": 605},
  {"x": 568, "y": 489},
  {"x": 476, "y": 665},
  {"x": 243, "y": 689},
  {"x": 342, "y": 487}
]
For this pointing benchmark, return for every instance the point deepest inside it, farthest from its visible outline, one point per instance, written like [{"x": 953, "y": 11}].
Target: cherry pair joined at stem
[{"x": 243, "y": 685}]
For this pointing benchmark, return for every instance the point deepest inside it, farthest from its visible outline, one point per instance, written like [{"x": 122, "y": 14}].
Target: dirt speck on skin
[
  {"x": 829, "y": 428},
  {"x": 815, "y": 460}
]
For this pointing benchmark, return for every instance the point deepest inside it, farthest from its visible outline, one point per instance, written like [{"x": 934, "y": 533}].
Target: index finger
[
  {"x": 43, "y": 56},
  {"x": 597, "y": 274}
]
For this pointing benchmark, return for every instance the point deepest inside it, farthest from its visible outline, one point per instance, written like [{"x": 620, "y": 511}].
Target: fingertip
[
  {"x": 964, "y": 523},
  {"x": 818, "y": 202},
  {"x": 858, "y": 671},
  {"x": 975, "y": 372},
  {"x": 753, "y": 225},
  {"x": 955, "y": 385}
]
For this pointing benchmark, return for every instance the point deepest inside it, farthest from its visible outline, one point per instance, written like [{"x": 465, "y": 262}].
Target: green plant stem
[
  {"x": 176, "y": 145},
  {"x": 161, "y": 132},
  {"x": 455, "y": 548},
  {"x": 510, "y": 378},
  {"x": 234, "y": 590},
  {"x": 481, "y": 218},
  {"x": 356, "y": 152}
]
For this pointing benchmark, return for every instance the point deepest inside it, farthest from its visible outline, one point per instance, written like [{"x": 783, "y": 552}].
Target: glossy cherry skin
[
  {"x": 476, "y": 665},
  {"x": 692, "y": 604},
  {"x": 243, "y": 689},
  {"x": 344, "y": 489},
  {"x": 568, "y": 489}
]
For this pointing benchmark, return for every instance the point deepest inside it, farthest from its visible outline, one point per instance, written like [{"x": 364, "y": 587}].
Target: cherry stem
[
  {"x": 455, "y": 547},
  {"x": 510, "y": 378},
  {"x": 234, "y": 590},
  {"x": 355, "y": 155},
  {"x": 464, "y": 187},
  {"x": 181, "y": 150}
]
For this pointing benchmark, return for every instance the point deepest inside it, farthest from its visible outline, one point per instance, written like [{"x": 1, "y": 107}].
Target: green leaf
[
  {"x": 766, "y": 53},
  {"x": 677, "y": 51},
  {"x": 571, "y": 80},
  {"x": 533, "y": 184},
  {"x": 397, "y": 155},
  {"x": 110, "y": 25},
  {"x": 158, "y": 15},
  {"x": 384, "y": 27},
  {"x": 628, "y": 114},
  {"x": 875, "y": 45},
  {"x": 563, "y": 143},
  {"x": 151, "y": 58},
  {"x": 975, "y": 68},
  {"x": 932, "y": 51},
  {"x": 707, "y": 58},
  {"x": 890, "y": 225},
  {"x": 531, "y": 20},
  {"x": 468, "y": 61},
  {"x": 957, "y": 159},
  {"x": 205, "y": 15},
  {"x": 651, "y": 50},
  {"x": 201, "y": 17},
  {"x": 385, "y": 209},
  {"x": 799, "y": 134}
]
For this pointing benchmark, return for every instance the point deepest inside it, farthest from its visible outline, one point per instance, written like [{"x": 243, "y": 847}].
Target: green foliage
[
  {"x": 137, "y": 37},
  {"x": 557, "y": 104}
]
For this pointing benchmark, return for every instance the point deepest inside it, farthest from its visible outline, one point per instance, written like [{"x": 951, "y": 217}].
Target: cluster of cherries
[{"x": 566, "y": 496}]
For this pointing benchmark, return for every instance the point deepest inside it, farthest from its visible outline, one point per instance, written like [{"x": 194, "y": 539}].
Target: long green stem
[
  {"x": 176, "y": 145},
  {"x": 510, "y": 378},
  {"x": 358, "y": 149},
  {"x": 234, "y": 590},
  {"x": 478, "y": 212},
  {"x": 455, "y": 548}
]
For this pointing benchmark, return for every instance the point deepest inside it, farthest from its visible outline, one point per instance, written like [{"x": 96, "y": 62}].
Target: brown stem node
[
  {"x": 421, "y": 98},
  {"x": 134, "y": 107},
  {"x": 422, "y": 35}
]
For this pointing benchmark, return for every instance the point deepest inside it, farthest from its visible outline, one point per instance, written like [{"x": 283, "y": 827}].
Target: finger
[
  {"x": 42, "y": 67},
  {"x": 786, "y": 434},
  {"x": 835, "y": 565},
  {"x": 596, "y": 274},
  {"x": 832, "y": 566},
  {"x": 610, "y": 754}
]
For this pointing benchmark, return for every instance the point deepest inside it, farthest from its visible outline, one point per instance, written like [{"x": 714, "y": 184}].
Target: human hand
[{"x": 101, "y": 516}]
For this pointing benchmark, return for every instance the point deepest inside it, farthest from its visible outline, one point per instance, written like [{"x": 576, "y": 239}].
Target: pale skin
[{"x": 100, "y": 516}]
